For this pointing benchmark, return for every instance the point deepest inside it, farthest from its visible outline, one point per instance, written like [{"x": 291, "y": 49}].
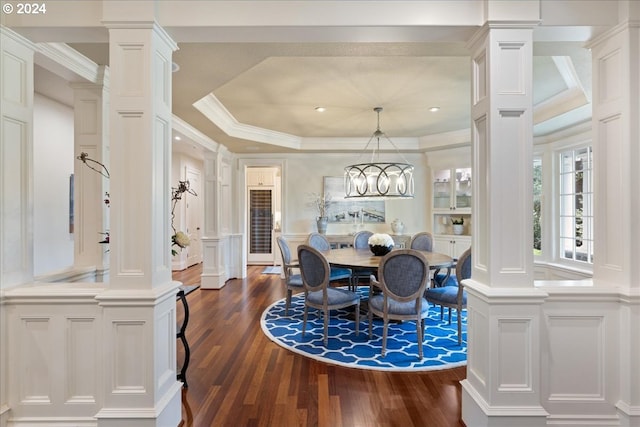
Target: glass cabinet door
[
  {"x": 463, "y": 188},
  {"x": 442, "y": 189}
]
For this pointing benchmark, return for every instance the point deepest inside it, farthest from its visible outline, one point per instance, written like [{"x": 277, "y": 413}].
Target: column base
[
  {"x": 168, "y": 412},
  {"x": 477, "y": 412},
  {"x": 212, "y": 281}
]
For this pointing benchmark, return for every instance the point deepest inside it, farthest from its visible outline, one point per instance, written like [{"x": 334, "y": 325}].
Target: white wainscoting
[
  {"x": 580, "y": 352},
  {"x": 54, "y": 333}
]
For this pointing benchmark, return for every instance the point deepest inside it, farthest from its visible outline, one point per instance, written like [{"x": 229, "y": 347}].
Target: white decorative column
[
  {"x": 504, "y": 309},
  {"x": 214, "y": 246},
  {"x": 616, "y": 146},
  {"x": 139, "y": 319},
  {"x": 91, "y": 216},
  {"x": 16, "y": 161},
  {"x": 16, "y": 184}
]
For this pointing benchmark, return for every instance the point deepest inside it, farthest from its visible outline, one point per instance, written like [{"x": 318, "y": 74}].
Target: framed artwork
[{"x": 350, "y": 211}]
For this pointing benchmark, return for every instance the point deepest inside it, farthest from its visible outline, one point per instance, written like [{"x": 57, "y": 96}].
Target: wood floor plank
[{"x": 239, "y": 378}]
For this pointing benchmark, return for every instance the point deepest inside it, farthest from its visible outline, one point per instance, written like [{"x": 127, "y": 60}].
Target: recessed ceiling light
[
  {"x": 174, "y": 67},
  {"x": 177, "y": 138},
  {"x": 434, "y": 109},
  {"x": 321, "y": 109}
]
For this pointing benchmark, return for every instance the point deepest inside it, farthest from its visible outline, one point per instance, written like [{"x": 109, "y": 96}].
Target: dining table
[{"x": 364, "y": 259}]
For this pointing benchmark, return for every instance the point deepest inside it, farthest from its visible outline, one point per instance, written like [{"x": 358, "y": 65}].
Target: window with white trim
[
  {"x": 575, "y": 231},
  {"x": 537, "y": 205}
]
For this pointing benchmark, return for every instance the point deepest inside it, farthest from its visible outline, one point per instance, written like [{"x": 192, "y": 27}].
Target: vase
[
  {"x": 321, "y": 223},
  {"x": 379, "y": 250},
  {"x": 397, "y": 226},
  {"x": 458, "y": 229}
]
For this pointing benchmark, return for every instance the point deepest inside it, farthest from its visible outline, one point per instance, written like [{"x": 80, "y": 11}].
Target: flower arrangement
[
  {"x": 457, "y": 221},
  {"x": 380, "y": 243},
  {"x": 321, "y": 203},
  {"x": 380, "y": 239},
  {"x": 179, "y": 238}
]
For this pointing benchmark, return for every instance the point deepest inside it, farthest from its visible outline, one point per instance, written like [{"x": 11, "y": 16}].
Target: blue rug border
[{"x": 265, "y": 330}]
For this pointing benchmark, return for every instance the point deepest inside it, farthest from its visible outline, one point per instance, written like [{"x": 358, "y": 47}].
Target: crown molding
[
  {"x": 213, "y": 109},
  {"x": 70, "y": 64},
  {"x": 193, "y": 134}
]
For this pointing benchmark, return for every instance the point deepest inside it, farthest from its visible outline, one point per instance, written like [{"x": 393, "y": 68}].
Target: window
[
  {"x": 576, "y": 205},
  {"x": 537, "y": 205}
]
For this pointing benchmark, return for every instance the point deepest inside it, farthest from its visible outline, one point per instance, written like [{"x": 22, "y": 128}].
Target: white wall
[{"x": 53, "y": 159}]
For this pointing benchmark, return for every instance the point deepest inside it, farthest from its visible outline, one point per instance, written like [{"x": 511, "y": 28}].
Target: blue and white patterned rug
[{"x": 440, "y": 347}]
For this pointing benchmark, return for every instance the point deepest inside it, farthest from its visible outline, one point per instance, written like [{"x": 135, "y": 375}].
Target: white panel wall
[
  {"x": 580, "y": 348},
  {"x": 54, "y": 354}
]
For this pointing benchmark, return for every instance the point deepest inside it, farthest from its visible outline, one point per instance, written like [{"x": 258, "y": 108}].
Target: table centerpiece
[{"x": 380, "y": 244}]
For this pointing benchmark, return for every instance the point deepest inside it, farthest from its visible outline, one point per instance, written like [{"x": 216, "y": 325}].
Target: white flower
[
  {"x": 379, "y": 239},
  {"x": 181, "y": 239}
]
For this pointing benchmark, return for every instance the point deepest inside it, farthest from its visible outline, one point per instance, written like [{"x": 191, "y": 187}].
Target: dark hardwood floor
[{"x": 238, "y": 377}]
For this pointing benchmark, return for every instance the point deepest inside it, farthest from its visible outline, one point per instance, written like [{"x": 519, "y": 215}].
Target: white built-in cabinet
[
  {"x": 260, "y": 176},
  {"x": 451, "y": 205},
  {"x": 453, "y": 246}
]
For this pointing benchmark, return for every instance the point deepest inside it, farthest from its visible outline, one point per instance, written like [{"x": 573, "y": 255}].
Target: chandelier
[{"x": 379, "y": 179}]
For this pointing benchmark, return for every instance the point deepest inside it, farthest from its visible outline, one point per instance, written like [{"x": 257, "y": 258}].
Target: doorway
[
  {"x": 262, "y": 210},
  {"x": 194, "y": 218}
]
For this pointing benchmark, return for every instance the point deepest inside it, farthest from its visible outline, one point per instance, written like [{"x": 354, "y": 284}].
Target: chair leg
[
  {"x": 384, "y": 336},
  {"x": 449, "y": 308},
  {"x": 326, "y": 328},
  {"x": 459, "y": 328},
  {"x": 357, "y": 319},
  {"x": 419, "y": 336},
  {"x": 441, "y": 312},
  {"x": 287, "y": 302},
  {"x": 370, "y": 316},
  {"x": 304, "y": 319}
]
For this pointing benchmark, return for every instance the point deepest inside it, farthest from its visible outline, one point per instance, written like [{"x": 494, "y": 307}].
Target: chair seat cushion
[
  {"x": 445, "y": 294},
  {"x": 335, "y": 296},
  {"x": 295, "y": 280},
  {"x": 439, "y": 279},
  {"x": 401, "y": 308},
  {"x": 338, "y": 273}
]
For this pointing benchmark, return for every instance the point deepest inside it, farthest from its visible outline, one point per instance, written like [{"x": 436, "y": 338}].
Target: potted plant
[
  {"x": 458, "y": 225},
  {"x": 321, "y": 203}
]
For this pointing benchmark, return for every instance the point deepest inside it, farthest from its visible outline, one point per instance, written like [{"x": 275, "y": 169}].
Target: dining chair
[
  {"x": 452, "y": 294},
  {"x": 402, "y": 278},
  {"x": 422, "y": 241},
  {"x": 322, "y": 244},
  {"x": 361, "y": 241},
  {"x": 315, "y": 272},
  {"x": 293, "y": 282}
]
